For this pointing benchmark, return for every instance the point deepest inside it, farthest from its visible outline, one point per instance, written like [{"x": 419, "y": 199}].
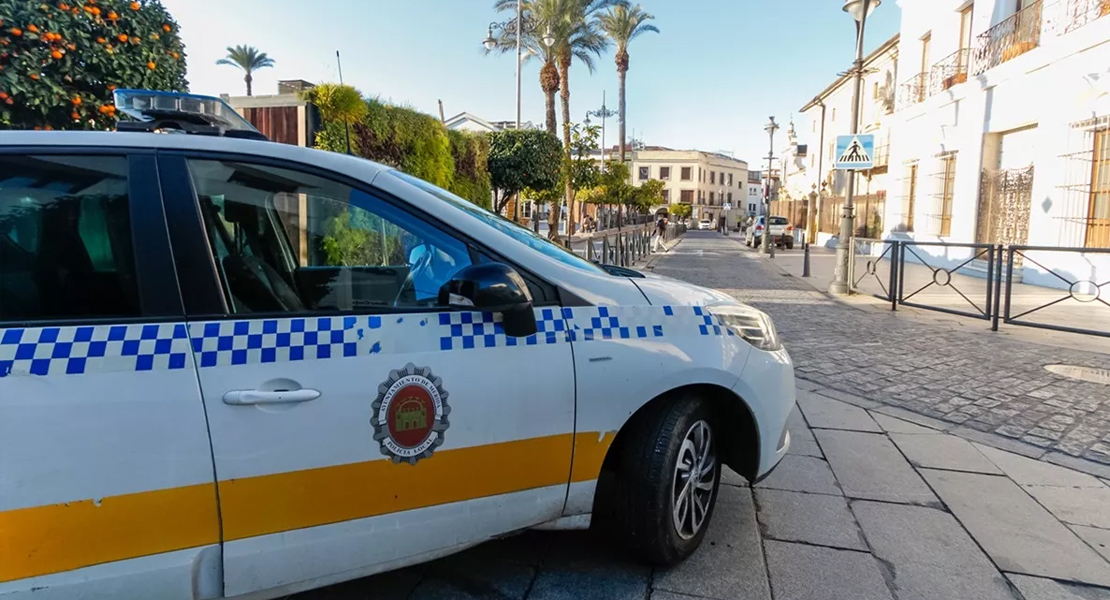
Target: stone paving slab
[
  {"x": 868, "y": 466},
  {"x": 802, "y": 474},
  {"x": 827, "y": 413},
  {"x": 1017, "y": 532},
  {"x": 802, "y": 572},
  {"x": 802, "y": 441},
  {"x": 809, "y": 518},
  {"x": 1038, "y": 588},
  {"x": 467, "y": 577},
  {"x": 894, "y": 425},
  {"x": 927, "y": 554},
  {"x": 1099, "y": 539},
  {"x": 1026, "y": 471},
  {"x": 729, "y": 563},
  {"x": 943, "y": 452},
  {"x": 1075, "y": 505}
]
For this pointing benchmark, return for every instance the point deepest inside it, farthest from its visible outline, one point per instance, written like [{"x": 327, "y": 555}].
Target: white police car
[{"x": 240, "y": 368}]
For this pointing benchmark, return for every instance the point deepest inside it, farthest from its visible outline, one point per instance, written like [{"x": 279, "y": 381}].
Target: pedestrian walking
[{"x": 660, "y": 232}]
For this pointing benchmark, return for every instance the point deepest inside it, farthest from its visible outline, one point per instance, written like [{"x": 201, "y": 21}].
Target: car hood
[{"x": 661, "y": 290}]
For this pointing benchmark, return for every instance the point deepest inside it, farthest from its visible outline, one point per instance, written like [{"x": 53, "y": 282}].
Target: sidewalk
[
  {"x": 864, "y": 506},
  {"x": 947, "y": 370}
]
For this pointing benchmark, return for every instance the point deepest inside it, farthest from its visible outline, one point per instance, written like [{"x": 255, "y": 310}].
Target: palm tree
[
  {"x": 623, "y": 24},
  {"x": 248, "y": 59},
  {"x": 533, "y": 45}
]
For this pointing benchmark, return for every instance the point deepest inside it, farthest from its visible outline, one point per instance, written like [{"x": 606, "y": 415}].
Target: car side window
[
  {"x": 288, "y": 241},
  {"x": 65, "y": 239}
]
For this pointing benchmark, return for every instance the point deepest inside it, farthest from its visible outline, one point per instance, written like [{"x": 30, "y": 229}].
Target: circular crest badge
[{"x": 410, "y": 414}]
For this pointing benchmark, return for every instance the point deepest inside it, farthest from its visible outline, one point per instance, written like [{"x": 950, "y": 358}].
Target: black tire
[
  {"x": 643, "y": 482},
  {"x": 789, "y": 245}
]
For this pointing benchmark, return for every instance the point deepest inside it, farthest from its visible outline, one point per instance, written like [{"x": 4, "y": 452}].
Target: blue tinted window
[{"x": 518, "y": 233}]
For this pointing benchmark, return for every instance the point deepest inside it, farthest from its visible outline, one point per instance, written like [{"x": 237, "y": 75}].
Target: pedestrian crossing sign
[{"x": 855, "y": 151}]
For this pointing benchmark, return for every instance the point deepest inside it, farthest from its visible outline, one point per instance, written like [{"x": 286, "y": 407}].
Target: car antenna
[{"x": 346, "y": 124}]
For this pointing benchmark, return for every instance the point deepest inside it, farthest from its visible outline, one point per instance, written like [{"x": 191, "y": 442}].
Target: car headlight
[{"x": 751, "y": 324}]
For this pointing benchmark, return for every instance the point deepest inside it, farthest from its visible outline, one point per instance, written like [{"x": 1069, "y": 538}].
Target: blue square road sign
[{"x": 855, "y": 151}]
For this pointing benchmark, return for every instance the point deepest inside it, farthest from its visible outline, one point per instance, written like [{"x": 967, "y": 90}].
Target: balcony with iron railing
[
  {"x": 949, "y": 72},
  {"x": 1009, "y": 39},
  {"x": 1065, "y": 16},
  {"x": 912, "y": 91}
]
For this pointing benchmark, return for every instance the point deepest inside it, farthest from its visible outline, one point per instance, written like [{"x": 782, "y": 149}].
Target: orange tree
[{"x": 61, "y": 59}]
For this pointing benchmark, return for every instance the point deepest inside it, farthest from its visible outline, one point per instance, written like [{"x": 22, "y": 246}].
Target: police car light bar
[{"x": 175, "y": 112}]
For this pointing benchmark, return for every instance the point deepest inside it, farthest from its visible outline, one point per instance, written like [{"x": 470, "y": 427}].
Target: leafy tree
[
  {"x": 522, "y": 159},
  {"x": 681, "y": 211},
  {"x": 577, "y": 36},
  {"x": 337, "y": 102},
  {"x": 247, "y": 59},
  {"x": 648, "y": 194},
  {"x": 624, "y": 23},
  {"x": 584, "y": 170},
  {"x": 60, "y": 60}
]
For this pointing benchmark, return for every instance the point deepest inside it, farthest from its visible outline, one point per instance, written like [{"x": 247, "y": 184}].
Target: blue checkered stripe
[
  {"x": 605, "y": 323},
  {"x": 229, "y": 343},
  {"x": 710, "y": 324},
  {"x": 469, "y": 330},
  {"x": 85, "y": 349}
]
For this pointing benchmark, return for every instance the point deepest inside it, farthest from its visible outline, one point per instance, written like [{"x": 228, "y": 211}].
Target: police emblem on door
[{"x": 410, "y": 414}]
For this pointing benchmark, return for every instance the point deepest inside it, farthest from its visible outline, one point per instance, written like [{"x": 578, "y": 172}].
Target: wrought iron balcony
[
  {"x": 1009, "y": 39},
  {"x": 913, "y": 91},
  {"x": 949, "y": 72},
  {"x": 1068, "y": 15}
]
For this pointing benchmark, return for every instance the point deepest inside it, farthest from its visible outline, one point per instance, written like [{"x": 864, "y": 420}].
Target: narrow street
[{"x": 886, "y": 493}]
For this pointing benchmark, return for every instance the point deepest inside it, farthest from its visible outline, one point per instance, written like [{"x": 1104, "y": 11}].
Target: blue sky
[{"x": 709, "y": 80}]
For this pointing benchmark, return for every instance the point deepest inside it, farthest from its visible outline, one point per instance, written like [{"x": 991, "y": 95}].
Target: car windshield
[
  {"x": 779, "y": 220},
  {"x": 518, "y": 233}
]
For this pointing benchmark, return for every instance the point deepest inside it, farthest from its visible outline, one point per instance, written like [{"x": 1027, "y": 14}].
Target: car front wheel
[{"x": 665, "y": 485}]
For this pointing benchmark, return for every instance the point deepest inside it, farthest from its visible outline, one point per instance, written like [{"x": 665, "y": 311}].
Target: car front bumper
[{"x": 767, "y": 386}]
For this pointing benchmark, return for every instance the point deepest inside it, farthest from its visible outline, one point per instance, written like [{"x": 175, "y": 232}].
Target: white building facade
[
  {"x": 829, "y": 115},
  {"x": 1002, "y": 133},
  {"x": 707, "y": 181}
]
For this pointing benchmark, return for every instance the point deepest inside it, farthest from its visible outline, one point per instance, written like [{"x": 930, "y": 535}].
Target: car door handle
[{"x": 241, "y": 397}]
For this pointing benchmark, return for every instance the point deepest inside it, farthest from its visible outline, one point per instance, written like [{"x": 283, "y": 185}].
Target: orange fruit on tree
[
  {"x": 76, "y": 100},
  {"x": 8, "y": 101},
  {"x": 134, "y": 40},
  {"x": 150, "y": 65},
  {"x": 34, "y": 76},
  {"x": 73, "y": 115},
  {"x": 112, "y": 15},
  {"x": 101, "y": 40},
  {"x": 71, "y": 46},
  {"x": 166, "y": 28},
  {"x": 16, "y": 31},
  {"x": 95, "y": 10},
  {"x": 32, "y": 28},
  {"x": 135, "y": 6},
  {"x": 122, "y": 37},
  {"x": 56, "y": 54},
  {"x": 176, "y": 55},
  {"x": 3, "y": 95},
  {"x": 63, "y": 6}
]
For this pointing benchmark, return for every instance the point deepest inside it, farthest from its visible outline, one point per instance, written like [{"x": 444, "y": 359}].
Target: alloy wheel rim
[{"x": 694, "y": 476}]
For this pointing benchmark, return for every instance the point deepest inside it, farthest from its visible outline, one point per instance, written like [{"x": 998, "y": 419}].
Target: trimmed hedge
[{"x": 419, "y": 145}]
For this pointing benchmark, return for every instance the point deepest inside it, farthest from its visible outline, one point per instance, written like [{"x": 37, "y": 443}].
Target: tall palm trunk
[
  {"x": 549, "y": 83},
  {"x": 564, "y": 93},
  {"x": 622, "y": 71},
  {"x": 248, "y": 79}
]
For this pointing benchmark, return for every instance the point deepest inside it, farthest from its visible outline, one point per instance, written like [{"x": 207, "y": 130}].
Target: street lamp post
[
  {"x": 516, "y": 27},
  {"x": 859, "y": 10},
  {"x": 768, "y": 246},
  {"x": 603, "y": 113}
]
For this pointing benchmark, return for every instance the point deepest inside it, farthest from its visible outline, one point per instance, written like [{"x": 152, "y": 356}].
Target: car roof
[{"x": 335, "y": 161}]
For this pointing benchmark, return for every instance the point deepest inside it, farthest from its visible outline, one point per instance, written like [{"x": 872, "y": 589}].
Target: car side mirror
[{"x": 494, "y": 287}]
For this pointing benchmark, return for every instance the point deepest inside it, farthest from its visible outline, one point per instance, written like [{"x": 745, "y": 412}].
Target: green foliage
[
  {"x": 584, "y": 169},
  {"x": 361, "y": 239},
  {"x": 472, "y": 178},
  {"x": 523, "y": 159},
  {"x": 680, "y": 211},
  {"x": 413, "y": 142},
  {"x": 649, "y": 193},
  {"x": 337, "y": 102},
  {"x": 246, "y": 59},
  {"x": 60, "y": 60}
]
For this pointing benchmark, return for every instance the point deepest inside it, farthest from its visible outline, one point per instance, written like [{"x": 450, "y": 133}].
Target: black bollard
[{"x": 805, "y": 260}]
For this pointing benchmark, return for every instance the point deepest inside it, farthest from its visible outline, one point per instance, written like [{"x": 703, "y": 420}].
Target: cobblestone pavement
[
  {"x": 863, "y": 507},
  {"x": 986, "y": 387}
]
